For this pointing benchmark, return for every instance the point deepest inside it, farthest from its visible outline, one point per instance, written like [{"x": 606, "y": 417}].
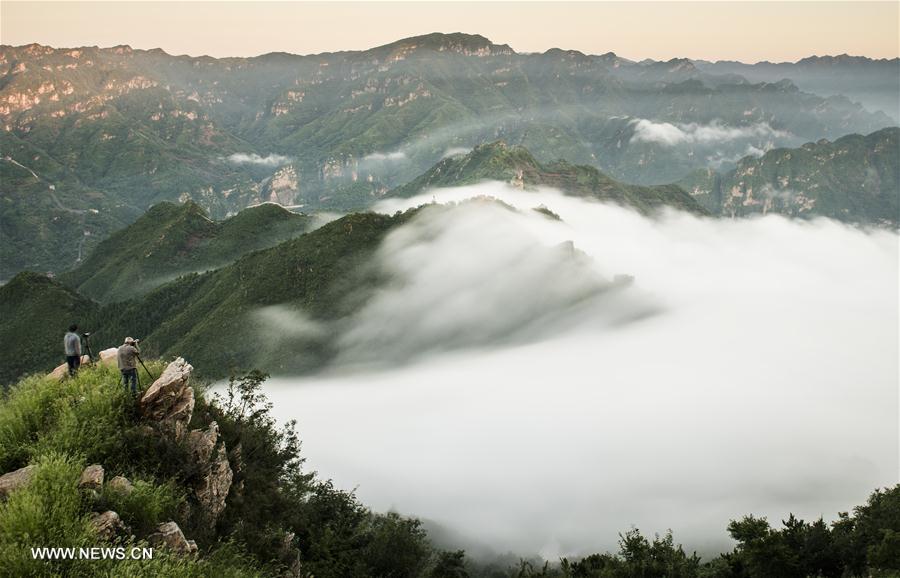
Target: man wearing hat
[{"x": 127, "y": 357}]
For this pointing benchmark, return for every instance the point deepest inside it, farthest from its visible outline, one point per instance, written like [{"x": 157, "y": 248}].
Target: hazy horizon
[{"x": 636, "y": 31}]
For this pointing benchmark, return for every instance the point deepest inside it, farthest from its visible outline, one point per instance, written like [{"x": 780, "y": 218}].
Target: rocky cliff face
[{"x": 855, "y": 179}]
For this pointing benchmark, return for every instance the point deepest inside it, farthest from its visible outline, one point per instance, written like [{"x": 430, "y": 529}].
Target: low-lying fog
[{"x": 751, "y": 367}]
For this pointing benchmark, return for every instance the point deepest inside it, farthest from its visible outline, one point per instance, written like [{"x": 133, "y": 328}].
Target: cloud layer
[
  {"x": 391, "y": 156},
  {"x": 271, "y": 160},
  {"x": 669, "y": 134},
  {"x": 764, "y": 381}
]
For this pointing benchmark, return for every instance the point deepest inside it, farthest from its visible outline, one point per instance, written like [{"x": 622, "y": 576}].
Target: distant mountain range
[
  {"x": 91, "y": 138},
  {"x": 854, "y": 179},
  {"x": 872, "y": 82}
]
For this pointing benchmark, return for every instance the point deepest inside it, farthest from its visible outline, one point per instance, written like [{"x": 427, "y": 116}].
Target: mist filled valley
[
  {"x": 748, "y": 367},
  {"x": 446, "y": 308}
]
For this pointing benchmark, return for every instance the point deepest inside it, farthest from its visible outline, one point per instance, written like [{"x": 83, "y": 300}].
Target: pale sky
[{"x": 746, "y": 31}]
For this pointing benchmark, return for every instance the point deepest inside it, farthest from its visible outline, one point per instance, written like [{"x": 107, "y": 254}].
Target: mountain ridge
[{"x": 515, "y": 165}]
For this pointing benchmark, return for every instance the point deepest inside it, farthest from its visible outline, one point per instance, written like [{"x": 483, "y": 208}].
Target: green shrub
[{"x": 146, "y": 506}]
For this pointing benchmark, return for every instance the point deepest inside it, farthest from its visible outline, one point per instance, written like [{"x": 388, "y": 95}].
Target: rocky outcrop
[
  {"x": 14, "y": 480},
  {"x": 62, "y": 371},
  {"x": 109, "y": 525},
  {"x": 168, "y": 405},
  {"x": 169, "y": 535},
  {"x": 169, "y": 401},
  {"x": 91, "y": 478},
  {"x": 211, "y": 488}
]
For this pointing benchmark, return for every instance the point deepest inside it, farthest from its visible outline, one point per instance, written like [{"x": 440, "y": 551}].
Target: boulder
[
  {"x": 170, "y": 536},
  {"x": 109, "y": 356},
  {"x": 169, "y": 401},
  {"x": 211, "y": 488},
  {"x": 14, "y": 480},
  {"x": 62, "y": 371},
  {"x": 121, "y": 485},
  {"x": 109, "y": 525},
  {"x": 91, "y": 478}
]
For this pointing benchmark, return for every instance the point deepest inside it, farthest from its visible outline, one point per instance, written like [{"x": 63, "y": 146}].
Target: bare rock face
[
  {"x": 121, "y": 485},
  {"x": 201, "y": 443},
  {"x": 170, "y": 536},
  {"x": 109, "y": 525},
  {"x": 236, "y": 459},
  {"x": 169, "y": 401},
  {"x": 211, "y": 488},
  {"x": 15, "y": 480},
  {"x": 290, "y": 557},
  {"x": 91, "y": 478}
]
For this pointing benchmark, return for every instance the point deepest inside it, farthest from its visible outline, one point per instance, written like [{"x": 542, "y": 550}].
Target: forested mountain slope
[{"x": 171, "y": 240}]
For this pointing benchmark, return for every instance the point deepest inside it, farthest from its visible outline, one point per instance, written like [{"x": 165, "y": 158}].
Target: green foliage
[
  {"x": 637, "y": 556},
  {"x": 856, "y": 545},
  {"x": 450, "y": 565}
]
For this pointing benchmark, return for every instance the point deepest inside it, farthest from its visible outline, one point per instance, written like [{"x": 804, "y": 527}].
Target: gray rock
[
  {"x": 169, "y": 535},
  {"x": 108, "y": 525},
  {"x": 91, "y": 478},
  {"x": 14, "y": 480},
  {"x": 121, "y": 485},
  {"x": 212, "y": 487},
  {"x": 201, "y": 443}
]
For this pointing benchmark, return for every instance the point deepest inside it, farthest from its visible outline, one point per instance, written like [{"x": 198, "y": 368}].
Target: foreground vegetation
[{"x": 62, "y": 426}]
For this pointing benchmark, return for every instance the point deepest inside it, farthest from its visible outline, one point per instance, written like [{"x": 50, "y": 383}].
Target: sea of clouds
[{"x": 518, "y": 401}]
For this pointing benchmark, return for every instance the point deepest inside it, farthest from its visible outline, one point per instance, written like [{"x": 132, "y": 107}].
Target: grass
[{"x": 88, "y": 416}]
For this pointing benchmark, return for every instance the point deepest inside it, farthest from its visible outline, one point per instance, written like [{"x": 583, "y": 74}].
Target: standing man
[
  {"x": 127, "y": 358},
  {"x": 72, "y": 344}
]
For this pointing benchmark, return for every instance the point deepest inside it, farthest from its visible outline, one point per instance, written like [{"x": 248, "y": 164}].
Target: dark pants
[
  {"x": 74, "y": 362},
  {"x": 130, "y": 375}
]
